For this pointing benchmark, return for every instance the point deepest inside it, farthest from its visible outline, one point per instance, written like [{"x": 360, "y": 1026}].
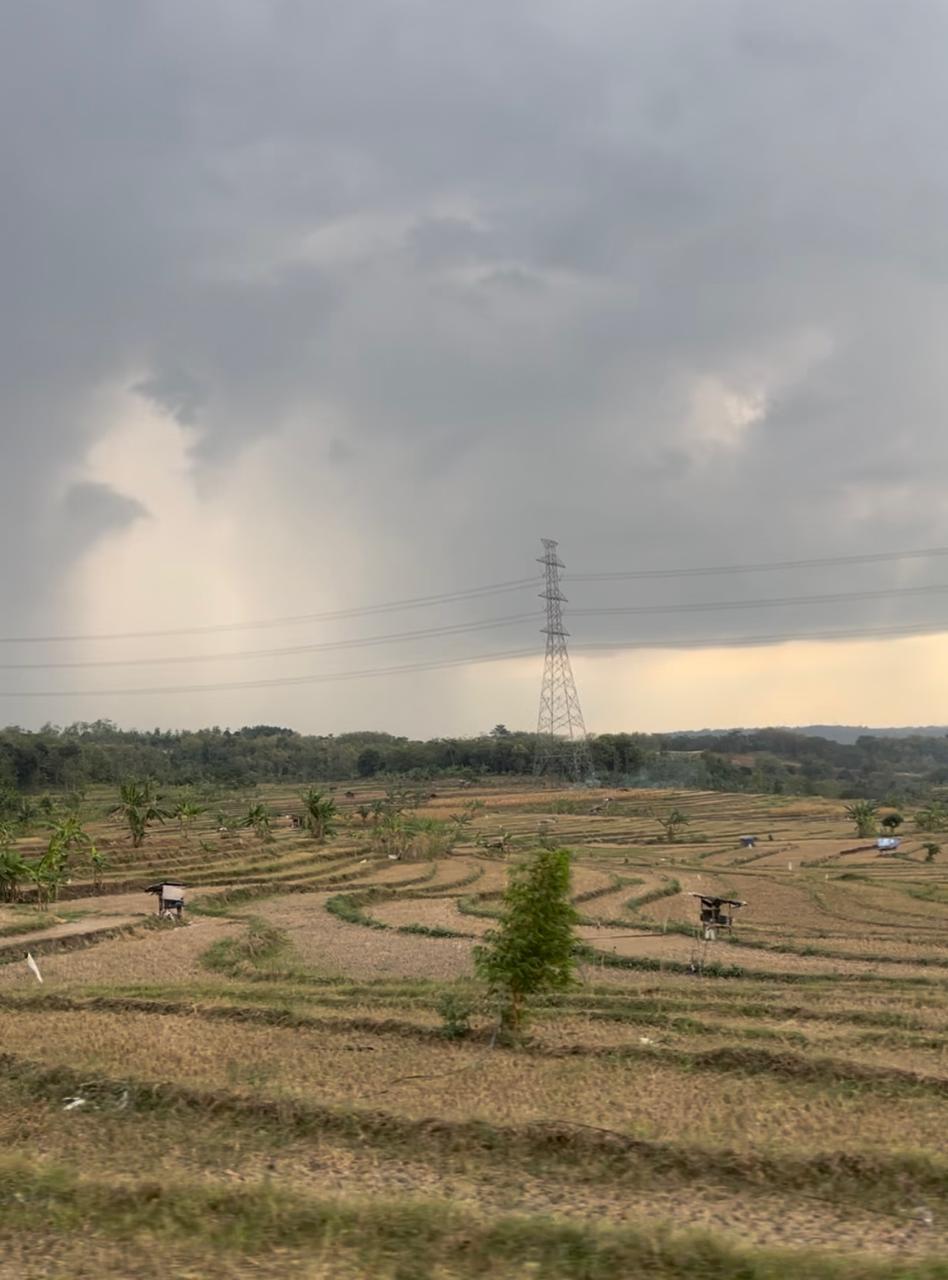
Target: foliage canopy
[{"x": 533, "y": 948}]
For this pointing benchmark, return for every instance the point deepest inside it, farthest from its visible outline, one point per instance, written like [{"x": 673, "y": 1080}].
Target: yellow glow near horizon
[
  {"x": 863, "y": 682},
  {"x": 873, "y": 682}
]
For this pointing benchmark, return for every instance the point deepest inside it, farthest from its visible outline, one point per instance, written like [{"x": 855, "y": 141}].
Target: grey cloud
[
  {"x": 340, "y": 452},
  {"x": 445, "y": 241},
  {"x": 92, "y": 509},
  {"x": 497, "y": 252},
  {"x": 176, "y": 392}
]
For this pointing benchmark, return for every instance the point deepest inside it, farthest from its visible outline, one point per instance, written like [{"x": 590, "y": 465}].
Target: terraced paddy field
[{"x": 272, "y": 1088}]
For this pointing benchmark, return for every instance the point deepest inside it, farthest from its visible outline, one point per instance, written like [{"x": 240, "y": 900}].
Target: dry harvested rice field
[{"x": 268, "y": 1088}]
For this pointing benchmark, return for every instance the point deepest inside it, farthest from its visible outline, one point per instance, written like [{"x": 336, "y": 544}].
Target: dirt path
[
  {"x": 159, "y": 956},
  {"x": 68, "y": 929},
  {"x": 99, "y": 911}
]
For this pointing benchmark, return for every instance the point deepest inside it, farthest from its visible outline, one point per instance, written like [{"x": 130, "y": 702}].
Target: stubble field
[{"x": 270, "y": 1089}]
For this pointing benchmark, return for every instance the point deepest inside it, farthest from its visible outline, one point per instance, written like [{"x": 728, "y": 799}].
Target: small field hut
[{"x": 170, "y": 895}]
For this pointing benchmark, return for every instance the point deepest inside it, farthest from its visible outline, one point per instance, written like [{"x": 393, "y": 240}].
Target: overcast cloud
[{"x": 309, "y": 306}]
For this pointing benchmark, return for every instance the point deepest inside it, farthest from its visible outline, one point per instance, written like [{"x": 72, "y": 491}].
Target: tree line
[{"x": 765, "y": 760}]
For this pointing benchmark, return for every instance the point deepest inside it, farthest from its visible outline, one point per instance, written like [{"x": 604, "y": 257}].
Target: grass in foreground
[{"x": 401, "y": 1238}]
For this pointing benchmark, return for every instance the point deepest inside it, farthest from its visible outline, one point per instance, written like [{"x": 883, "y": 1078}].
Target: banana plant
[
  {"x": 138, "y": 806},
  {"x": 186, "y": 811},
  {"x": 258, "y": 817},
  {"x": 14, "y": 870},
  {"x": 319, "y": 814}
]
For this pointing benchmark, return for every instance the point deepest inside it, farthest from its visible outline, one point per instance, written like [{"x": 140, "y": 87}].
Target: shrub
[
  {"x": 931, "y": 818},
  {"x": 532, "y": 950},
  {"x": 456, "y": 1010}
]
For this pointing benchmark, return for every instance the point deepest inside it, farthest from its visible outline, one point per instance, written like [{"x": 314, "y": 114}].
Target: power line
[
  {"x": 322, "y": 647},
  {"x": 476, "y": 593},
  {"x": 710, "y": 606},
  {"x": 276, "y": 681},
  {"x": 504, "y": 655},
  {"x": 417, "y": 602},
  {"x": 877, "y": 557}
]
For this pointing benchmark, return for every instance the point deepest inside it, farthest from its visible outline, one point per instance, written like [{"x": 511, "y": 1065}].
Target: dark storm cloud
[
  {"x": 667, "y": 280},
  {"x": 91, "y": 510},
  {"x": 175, "y": 392}
]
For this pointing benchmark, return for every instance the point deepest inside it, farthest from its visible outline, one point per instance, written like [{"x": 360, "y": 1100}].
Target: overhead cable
[
  {"x": 617, "y": 646},
  {"x": 417, "y": 602},
  {"x": 476, "y": 593},
  {"x": 817, "y": 562},
  {"x": 277, "y": 681},
  {"x": 286, "y": 651}
]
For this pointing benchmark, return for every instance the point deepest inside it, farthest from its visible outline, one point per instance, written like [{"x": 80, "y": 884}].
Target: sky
[{"x": 312, "y": 308}]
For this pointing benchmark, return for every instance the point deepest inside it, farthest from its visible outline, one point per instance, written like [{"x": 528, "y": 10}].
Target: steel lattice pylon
[{"x": 561, "y": 734}]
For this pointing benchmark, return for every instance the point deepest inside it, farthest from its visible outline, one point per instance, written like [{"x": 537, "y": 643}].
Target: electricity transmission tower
[{"x": 561, "y": 734}]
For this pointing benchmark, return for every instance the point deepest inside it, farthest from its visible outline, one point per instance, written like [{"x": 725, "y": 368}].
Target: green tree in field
[
  {"x": 258, "y": 817},
  {"x": 186, "y": 811},
  {"x": 392, "y": 833},
  {"x": 466, "y": 817},
  {"x": 50, "y": 872},
  {"x": 74, "y": 800},
  {"x": 932, "y": 850},
  {"x": 532, "y": 950},
  {"x": 47, "y": 875},
  {"x": 68, "y": 834},
  {"x": 865, "y": 816},
  {"x": 319, "y": 814},
  {"x": 13, "y": 871},
  {"x": 139, "y": 804},
  {"x": 932, "y": 818},
  {"x": 892, "y": 822},
  {"x": 98, "y": 861},
  {"x": 671, "y": 823}
]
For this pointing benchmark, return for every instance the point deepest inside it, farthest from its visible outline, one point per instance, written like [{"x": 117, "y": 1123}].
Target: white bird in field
[{"x": 34, "y": 967}]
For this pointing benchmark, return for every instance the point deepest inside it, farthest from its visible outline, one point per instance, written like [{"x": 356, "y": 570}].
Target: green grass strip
[
  {"x": 349, "y": 907},
  {"x": 670, "y": 890}
]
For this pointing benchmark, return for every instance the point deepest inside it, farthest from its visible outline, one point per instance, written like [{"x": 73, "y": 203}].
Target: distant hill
[
  {"x": 849, "y": 733},
  {"x": 846, "y": 734}
]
